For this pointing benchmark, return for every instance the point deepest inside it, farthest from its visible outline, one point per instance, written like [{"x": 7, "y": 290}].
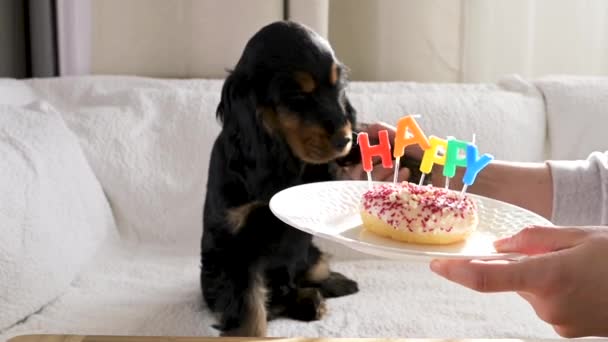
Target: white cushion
[
  {"x": 508, "y": 118},
  {"x": 15, "y": 92},
  {"x": 149, "y": 143},
  {"x": 53, "y": 213},
  {"x": 577, "y": 108}
]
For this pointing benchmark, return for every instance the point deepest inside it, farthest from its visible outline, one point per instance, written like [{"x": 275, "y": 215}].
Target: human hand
[
  {"x": 379, "y": 173},
  {"x": 564, "y": 277}
]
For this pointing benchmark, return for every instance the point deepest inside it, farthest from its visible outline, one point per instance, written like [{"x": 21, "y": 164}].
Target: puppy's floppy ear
[
  {"x": 224, "y": 99},
  {"x": 234, "y": 98},
  {"x": 237, "y": 111}
]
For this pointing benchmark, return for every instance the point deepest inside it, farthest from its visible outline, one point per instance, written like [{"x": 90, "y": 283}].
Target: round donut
[{"x": 411, "y": 213}]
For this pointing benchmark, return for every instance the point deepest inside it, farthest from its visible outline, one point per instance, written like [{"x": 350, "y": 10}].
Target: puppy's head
[{"x": 295, "y": 89}]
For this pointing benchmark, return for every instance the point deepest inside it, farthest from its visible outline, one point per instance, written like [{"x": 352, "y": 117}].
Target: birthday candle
[
  {"x": 409, "y": 125},
  {"x": 431, "y": 155},
  {"x": 408, "y": 133},
  {"x": 453, "y": 159},
  {"x": 475, "y": 164},
  {"x": 383, "y": 150}
]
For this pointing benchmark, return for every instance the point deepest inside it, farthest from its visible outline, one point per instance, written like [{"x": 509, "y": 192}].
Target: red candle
[{"x": 382, "y": 150}]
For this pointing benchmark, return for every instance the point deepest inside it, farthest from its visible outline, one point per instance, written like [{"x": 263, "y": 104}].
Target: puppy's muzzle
[{"x": 340, "y": 142}]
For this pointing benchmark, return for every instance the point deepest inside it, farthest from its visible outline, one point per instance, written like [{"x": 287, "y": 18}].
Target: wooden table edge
[{"x": 118, "y": 338}]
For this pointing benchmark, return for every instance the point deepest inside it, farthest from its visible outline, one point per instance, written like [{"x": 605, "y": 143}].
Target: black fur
[{"x": 252, "y": 160}]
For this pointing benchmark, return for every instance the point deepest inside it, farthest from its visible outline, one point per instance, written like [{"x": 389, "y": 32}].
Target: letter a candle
[{"x": 408, "y": 133}]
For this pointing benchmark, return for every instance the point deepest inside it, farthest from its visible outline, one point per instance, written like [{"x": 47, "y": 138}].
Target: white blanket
[
  {"x": 148, "y": 143},
  {"x": 155, "y": 291},
  {"x": 53, "y": 214}
]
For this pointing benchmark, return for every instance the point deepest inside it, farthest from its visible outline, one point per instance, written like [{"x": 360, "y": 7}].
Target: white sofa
[{"x": 103, "y": 179}]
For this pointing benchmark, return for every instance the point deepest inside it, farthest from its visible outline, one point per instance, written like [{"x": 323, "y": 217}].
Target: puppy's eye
[
  {"x": 296, "y": 101},
  {"x": 296, "y": 96}
]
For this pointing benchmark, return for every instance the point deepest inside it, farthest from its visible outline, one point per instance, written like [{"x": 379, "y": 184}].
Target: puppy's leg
[
  {"x": 338, "y": 285},
  {"x": 246, "y": 315},
  {"x": 255, "y": 234},
  {"x": 331, "y": 284},
  {"x": 306, "y": 304}
]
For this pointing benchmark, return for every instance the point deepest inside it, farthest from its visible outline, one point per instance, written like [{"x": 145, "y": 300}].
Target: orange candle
[{"x": 405, "y": 125}]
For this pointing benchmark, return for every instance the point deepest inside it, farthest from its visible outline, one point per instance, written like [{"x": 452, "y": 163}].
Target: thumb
[{"x": 540, "y": 240}]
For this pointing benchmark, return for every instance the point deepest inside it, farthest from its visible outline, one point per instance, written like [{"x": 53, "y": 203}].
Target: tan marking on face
[
  {"x": 306, "y": 81},
  {"x": 333, "y": 74},
  {"x": 255, "y": 321},
  {"x": 237, "y": 217},
  {"x": 319, "y": 271},
  {"x": 309, "y": 142},
  {"x": 269, "y": 119}
]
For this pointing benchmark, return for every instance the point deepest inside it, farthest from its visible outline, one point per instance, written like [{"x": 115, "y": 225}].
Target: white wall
[
  {"x": 534, "y": 38},
  {"x": 177, "y": 38},
  {"x": 398, "y": 39},
  {"x": 381, "y": 40},
  {"x": 201, "y": 38}
]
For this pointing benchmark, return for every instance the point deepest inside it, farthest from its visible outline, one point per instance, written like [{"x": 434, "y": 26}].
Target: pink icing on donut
[{"x": 421, "y": 209}]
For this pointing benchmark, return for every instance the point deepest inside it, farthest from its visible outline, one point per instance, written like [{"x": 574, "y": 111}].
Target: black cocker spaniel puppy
[{"x": 286, "y": 120}]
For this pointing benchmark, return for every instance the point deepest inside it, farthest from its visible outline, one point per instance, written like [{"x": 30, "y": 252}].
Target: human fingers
[
  {"x": 414, "y": 152},
  {"x": 492, "y": 276},
  {"x": 539, "y": 239},
  {"x": 404, "y": 175},
  {"x": 353, "y": 172},
  {"x": 387, "y": 175}
]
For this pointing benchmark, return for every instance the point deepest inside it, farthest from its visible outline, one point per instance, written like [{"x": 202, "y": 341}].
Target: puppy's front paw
[
  {"x": 338, "y": 285},
  {"x": 309, "y": 305}
]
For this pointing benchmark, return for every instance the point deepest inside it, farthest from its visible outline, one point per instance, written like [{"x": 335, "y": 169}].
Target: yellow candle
[{"x": 431, "y": 156}]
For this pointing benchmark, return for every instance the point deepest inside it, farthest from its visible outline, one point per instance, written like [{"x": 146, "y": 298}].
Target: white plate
[{"x": 331, "y": 210}]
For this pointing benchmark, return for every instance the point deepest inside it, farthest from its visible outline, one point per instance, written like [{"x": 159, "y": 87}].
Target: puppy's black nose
[{"x": 340, "y": 141}]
